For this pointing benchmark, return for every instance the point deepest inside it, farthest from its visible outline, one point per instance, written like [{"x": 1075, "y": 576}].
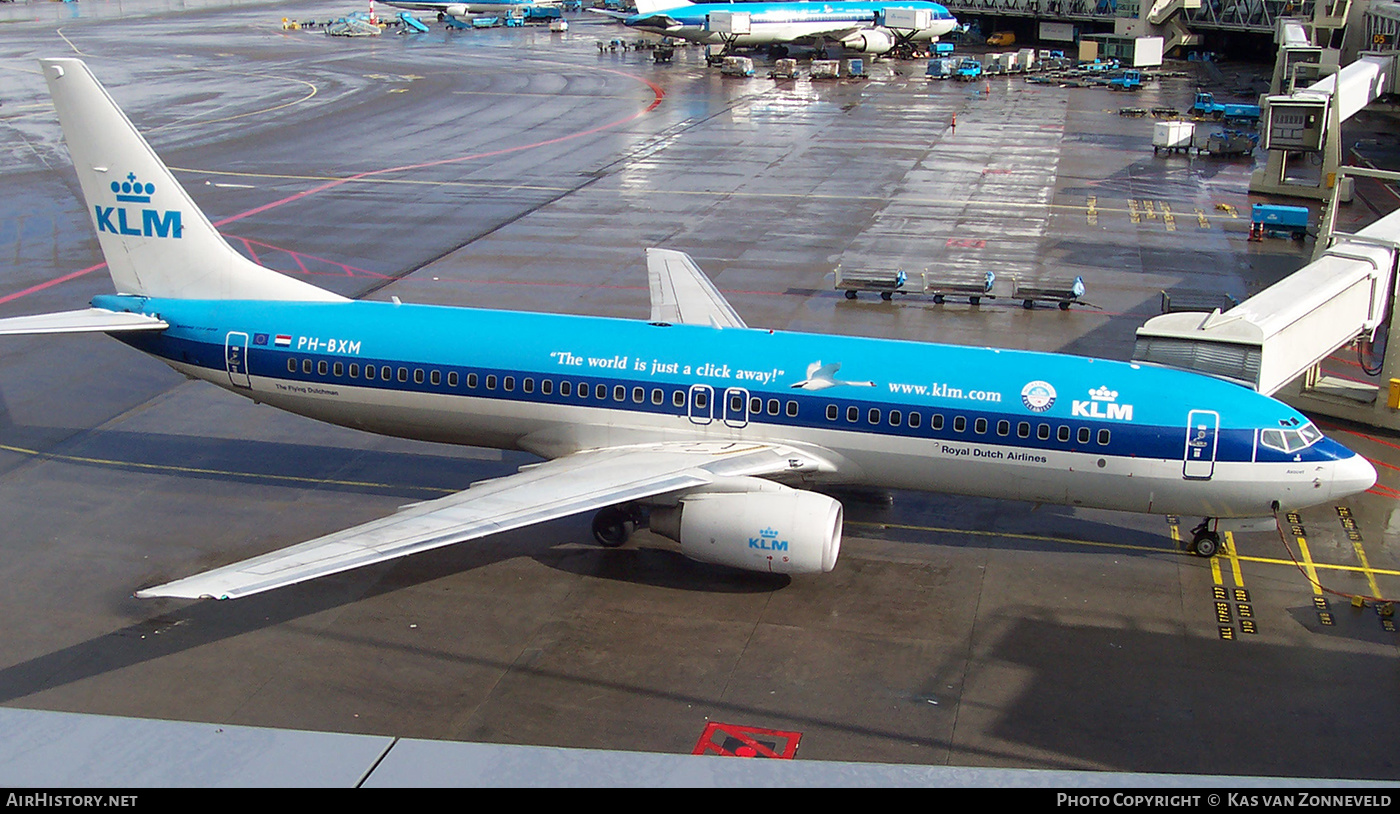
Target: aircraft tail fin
[
  {"x": 653, "y": 6},
  {"x": 156, "y": 241}
]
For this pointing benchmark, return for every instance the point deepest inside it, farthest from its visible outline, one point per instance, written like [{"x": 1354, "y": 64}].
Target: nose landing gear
[{"x": 1205, "y": 540}]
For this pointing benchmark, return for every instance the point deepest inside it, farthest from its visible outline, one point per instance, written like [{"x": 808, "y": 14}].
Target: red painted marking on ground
[
  {"x": 965, "y": 243},
  {"x": 729, "y": 740},
  {"x": 657, "y": 95}
]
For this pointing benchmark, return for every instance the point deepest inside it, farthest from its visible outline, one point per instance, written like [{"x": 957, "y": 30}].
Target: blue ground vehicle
[{"x": 1205, "y": 105}]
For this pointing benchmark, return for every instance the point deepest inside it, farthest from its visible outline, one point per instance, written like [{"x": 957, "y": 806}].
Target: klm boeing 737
[
  {"x": 710, "y": 431},
  {"x": 863, "y": 27}
]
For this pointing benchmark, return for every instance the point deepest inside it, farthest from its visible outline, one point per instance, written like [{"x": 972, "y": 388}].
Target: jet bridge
[
  {"x": 1302, "y": 128},
  {"x": 1275, "y": 341}
]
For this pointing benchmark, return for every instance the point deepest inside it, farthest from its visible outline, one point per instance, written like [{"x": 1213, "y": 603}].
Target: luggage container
[
  {"x": 1172, "y": 136},
  {"x": 784, "y": 69},
  {"x": 825, "y": 69},
  {"x": 737, "y": 66}
]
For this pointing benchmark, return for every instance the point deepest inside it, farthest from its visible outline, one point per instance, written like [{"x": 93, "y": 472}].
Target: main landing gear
[
  {"x": 614, "y": 525},
  {"x": 1205, "y": 540}
]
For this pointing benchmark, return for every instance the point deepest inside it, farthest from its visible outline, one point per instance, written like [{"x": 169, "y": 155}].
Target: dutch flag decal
[{"x": 283, "y": 341}]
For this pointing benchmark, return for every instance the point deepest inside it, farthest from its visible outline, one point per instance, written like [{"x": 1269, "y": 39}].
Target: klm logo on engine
[
  {"x": 134, "y": 221},
  {"x": 767, "y": 540}
]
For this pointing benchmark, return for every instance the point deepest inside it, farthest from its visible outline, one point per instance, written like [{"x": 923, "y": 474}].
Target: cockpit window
[{"x": 1290, "y": 440}]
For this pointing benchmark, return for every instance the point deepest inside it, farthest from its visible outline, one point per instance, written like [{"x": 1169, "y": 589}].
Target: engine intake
[{"x": 778, "y": 530}]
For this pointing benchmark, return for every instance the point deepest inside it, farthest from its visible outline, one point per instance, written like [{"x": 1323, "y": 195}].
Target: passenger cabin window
[
  {"x": 1103, "y": 438},
  {"x": 831, "y": 412},
  {"x": 853, "y": 414},
  {"x": 936, "y": 422},
  {"x": 914, "y": 420},
  {"x": 1084, "y": 433},
  {"x": 1023, "y": 429},
  {"x": 546, "y": 386},
  {"x": 321, "y": 368},
  {"x": 354, "y": 370},
  {"x": 980, "y": 426},
  {"x": 338, "y": 368},
  {"x": 792, "y": 409},
  {"x": 896, "y": 418},
  {"x": 566, "y": 388},
  {"x": 1003, "y": 428},
  {"x": 959, "y": 424},
  {"x": 417, "y": 375},
  {"x": 619, "y": 393},
  {"x": 452, "y": 379},
  {"x": 1043, "y": 432},
  {"x": 291, "y": 365},
  {"x": 1063, "y": 434},
  {"x": 508, "y": 383},
  {"x": 491, "y": 381},
  {"x": 527, "y": 384},
  {"x": 436, "y": 377},
  {"x": 638, "y": 395},
  {"x": 471, "y": 380}
]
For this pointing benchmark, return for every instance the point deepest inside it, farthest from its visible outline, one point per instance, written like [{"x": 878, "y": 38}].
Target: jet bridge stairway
[{"x": 1275, "y": 341}]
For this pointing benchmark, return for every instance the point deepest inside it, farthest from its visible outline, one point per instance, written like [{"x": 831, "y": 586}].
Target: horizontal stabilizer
[{"x": 90, "y": 320}]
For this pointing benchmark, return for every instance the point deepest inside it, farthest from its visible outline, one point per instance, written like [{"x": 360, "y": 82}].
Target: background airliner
[
  {"x": 707, "y": 429},
  {"x": 461, "y": 10},
  {"x": 864, "y": 27}
]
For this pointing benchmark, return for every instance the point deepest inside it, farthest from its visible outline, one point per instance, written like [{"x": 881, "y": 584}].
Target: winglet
[{"x": 681, "y": 294}]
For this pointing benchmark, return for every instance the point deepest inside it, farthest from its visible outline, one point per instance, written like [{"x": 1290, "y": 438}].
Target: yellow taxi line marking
[{"x": 1366, "y": 568}]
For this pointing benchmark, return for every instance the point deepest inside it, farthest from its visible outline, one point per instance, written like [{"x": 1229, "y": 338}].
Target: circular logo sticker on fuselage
[{"x": 1038, "y": 396}]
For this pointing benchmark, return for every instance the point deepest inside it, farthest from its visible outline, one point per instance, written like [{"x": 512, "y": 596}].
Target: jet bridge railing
[{"x": 1285, "y": 331}]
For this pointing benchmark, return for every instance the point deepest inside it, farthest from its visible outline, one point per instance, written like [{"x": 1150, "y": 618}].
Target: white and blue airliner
[
  {"x": 709, "y": 430},
  {"x": 863, "y": 27}
]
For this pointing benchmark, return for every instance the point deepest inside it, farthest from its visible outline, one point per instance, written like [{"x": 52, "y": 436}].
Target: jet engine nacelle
[
  {"x": 458, "y": 10},
  {"x": 782, "y": 531},
  {"x": 870, "y": 41}
]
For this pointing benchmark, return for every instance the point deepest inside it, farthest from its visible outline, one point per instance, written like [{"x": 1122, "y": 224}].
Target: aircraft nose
[{"x": 1352, "y": 475}]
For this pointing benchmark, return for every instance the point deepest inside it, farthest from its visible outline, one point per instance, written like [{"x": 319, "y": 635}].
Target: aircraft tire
[{"x": 613, "y": 526}]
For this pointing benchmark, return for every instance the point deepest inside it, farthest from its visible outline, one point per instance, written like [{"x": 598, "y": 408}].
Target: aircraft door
[
  {"x": 1202, "y": 432},
  {"x": 700, "y": 406},
  {"x": 736, "y": 407},
  {"x": 236, "y": 359}
]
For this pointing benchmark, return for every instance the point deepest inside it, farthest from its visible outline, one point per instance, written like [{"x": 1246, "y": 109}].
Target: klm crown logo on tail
[{"x": 137, "y": 222}]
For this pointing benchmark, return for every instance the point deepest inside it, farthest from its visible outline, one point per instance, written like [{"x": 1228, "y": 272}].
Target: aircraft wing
[
  {"x": 564, "y": 486},
  {"x": 681, "y": 294}
]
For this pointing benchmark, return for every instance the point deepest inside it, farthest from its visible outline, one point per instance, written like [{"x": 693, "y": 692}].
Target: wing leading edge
[{"x": 558, "y": 488}]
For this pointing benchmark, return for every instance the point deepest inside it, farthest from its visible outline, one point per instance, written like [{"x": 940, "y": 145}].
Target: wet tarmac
[{"x": 520, "y": 169}]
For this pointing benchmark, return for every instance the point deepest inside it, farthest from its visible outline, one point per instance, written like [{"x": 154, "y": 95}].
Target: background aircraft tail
[
  {"x": 156, "y": 242},
  {"x": 652, "y": 6}
]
